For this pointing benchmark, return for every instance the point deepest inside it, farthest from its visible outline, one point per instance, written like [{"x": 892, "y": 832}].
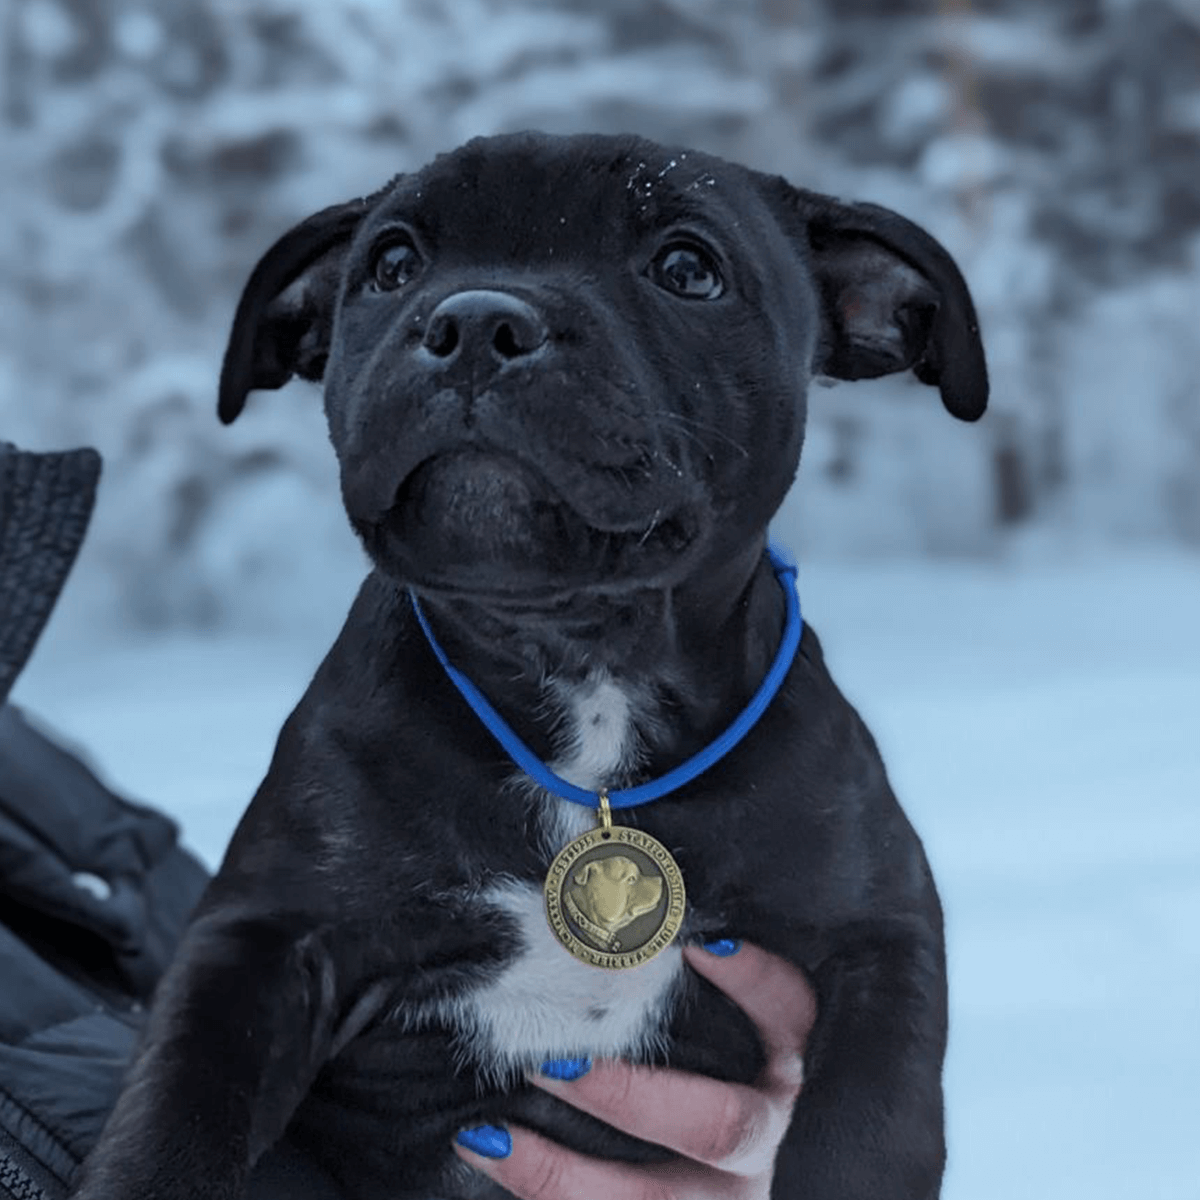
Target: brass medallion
[{"x": 614, "y": 895}]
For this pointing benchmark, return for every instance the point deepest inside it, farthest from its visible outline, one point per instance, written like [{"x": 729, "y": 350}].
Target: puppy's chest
[{"x": 543, "y": 1002}]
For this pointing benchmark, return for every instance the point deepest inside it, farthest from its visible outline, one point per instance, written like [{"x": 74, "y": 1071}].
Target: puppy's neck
[{"x": 615, "y": 688}]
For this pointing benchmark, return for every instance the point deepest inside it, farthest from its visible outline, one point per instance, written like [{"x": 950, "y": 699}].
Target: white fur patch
[
  {"x": 601, "y": 739},
  {"x": 546, "y": 1003},
  {"x": 601, "y": 742}
]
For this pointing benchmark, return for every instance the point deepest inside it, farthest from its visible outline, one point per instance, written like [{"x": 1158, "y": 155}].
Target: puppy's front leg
[
  {"x": 241, "y": 1024},
  {"x": 869, "y": 1123}
]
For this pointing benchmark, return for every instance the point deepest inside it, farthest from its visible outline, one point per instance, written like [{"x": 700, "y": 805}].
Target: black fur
[{"x": 587, "y": 491}]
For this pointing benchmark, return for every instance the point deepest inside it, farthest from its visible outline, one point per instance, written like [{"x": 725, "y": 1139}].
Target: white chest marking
[
  {"x": 600, "y": 743},
  {"x": 545, "y": 1003},
  {"x": 601, "y": 737}
]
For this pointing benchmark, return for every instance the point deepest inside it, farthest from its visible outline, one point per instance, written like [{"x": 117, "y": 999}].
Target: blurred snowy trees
[{"x": 150, "y": 151}]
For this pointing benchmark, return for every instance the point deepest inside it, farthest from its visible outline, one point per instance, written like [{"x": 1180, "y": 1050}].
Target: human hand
[{"x": 727, "y": 1135}]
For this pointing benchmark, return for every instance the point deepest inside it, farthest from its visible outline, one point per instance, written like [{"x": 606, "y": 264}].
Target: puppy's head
[{"x": 562, "y": 364}]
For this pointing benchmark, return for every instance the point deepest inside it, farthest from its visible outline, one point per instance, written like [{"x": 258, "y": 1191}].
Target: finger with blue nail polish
[
  {"x": 723, "y": 947},
  {"x": 488, "y": 1141},
  {"x": 723, "y": 1138},
  {"x": 565, "y": 1069}
]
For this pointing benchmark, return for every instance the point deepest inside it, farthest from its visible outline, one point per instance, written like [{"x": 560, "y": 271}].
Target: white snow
[{"x": 1041, "y": 724}]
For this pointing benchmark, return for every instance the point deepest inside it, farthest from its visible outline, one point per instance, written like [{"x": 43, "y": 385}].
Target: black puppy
[{"x": 565, "y": 381}]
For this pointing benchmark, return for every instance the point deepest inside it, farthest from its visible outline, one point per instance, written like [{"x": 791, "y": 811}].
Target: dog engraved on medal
[
  {"x": 614, "y": 896},
  {"x": 606, "y": 894},
  {"x": 565, "y": 380}
]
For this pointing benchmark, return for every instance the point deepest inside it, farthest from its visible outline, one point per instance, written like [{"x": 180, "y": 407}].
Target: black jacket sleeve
[{"x": 94, "y": 893}]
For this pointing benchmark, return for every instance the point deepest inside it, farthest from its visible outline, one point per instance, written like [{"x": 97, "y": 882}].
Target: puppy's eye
[
  {"x": 394, "y": 263},
  {"x": 687, "y": 270}
]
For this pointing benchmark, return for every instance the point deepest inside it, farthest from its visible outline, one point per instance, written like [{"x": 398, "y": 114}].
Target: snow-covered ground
[{"x": 1042, "y": 726}]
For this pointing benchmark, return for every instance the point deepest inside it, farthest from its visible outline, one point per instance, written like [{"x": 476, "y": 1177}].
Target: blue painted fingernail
[
  {"x": 490, "y": 1141},
  {"x": 566, "y": 1068},
  {"x": 723, "y": 947}
]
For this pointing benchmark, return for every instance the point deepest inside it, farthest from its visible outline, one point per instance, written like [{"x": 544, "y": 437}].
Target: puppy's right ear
[
  {"x": 892, "y": 298},
  {"x": 283, "y": 320}
]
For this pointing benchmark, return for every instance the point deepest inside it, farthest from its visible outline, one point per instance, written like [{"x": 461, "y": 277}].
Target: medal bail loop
[{"x": 605, "y": 810}]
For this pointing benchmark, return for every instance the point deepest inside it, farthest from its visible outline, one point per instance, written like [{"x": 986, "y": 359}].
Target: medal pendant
[{"x": 614, "y": 895}]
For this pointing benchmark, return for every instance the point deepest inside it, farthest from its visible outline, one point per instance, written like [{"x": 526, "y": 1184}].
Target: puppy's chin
[
  {"x": 471, "y": 511},
  {"x": 474, "y": 522}
]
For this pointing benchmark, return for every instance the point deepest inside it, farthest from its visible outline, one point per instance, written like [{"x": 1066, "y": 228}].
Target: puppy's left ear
[
  {"x": 892, "y": 300},
  {"x": 285, "y": 315}
]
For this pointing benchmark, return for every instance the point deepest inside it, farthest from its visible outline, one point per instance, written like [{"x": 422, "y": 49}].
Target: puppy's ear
[
  {"x": 892, "y": 300},
  {"x": 283, "y": 320}
]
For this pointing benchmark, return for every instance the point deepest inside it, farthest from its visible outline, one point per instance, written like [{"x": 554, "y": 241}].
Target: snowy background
[{"x": 1012, "y": 605}]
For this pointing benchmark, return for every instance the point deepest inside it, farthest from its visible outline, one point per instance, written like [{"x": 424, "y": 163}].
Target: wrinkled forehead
[{"x": 539, "y": 197}]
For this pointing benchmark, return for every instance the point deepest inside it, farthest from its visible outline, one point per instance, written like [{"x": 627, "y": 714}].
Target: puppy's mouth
[{"x": 485, "y": 521}]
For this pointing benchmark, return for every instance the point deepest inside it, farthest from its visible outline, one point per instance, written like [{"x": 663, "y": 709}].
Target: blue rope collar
[{"x": 533, "y": 766}]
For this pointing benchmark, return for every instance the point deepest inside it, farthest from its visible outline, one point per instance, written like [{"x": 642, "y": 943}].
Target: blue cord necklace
[{"x": 614, "y": 895}]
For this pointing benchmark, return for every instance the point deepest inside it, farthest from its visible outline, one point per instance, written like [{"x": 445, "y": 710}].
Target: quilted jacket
[{"x": 94, "y": 890}]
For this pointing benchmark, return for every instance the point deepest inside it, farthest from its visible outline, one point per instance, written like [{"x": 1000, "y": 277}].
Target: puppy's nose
[{"x": 484, "y": 323}]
